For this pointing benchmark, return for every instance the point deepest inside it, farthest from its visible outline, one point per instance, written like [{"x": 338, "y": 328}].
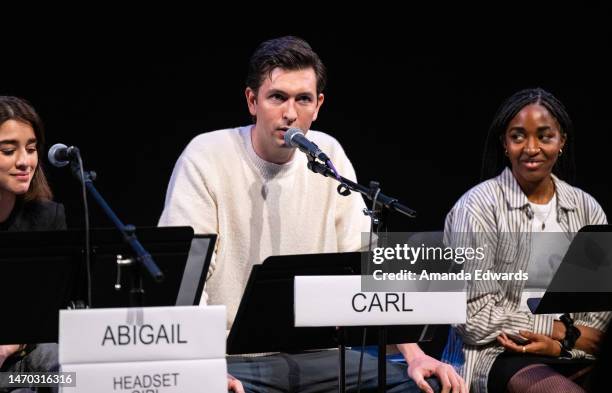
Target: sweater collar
[{"x": 268, "y": 170}]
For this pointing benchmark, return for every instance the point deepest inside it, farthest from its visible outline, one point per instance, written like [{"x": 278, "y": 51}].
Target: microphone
[
  {"x": 60, "y": 155},
  {"x": 294, "y": 137}
]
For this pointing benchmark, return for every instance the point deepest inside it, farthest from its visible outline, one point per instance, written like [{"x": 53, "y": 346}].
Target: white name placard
[
  {"x": 339, "y": 301},
  {"x": 141, "y": 334},
  {"x": 177, "y": 376}
]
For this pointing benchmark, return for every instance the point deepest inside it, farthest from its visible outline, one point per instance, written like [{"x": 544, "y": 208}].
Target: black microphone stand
[
  {"x": 128, "y": 233},
  {"x": 384, "y": 204},
  {"x": 346, "y": 186}
]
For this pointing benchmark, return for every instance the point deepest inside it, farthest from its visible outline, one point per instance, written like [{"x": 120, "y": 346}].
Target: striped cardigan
[{"x": 494, "y": 212}]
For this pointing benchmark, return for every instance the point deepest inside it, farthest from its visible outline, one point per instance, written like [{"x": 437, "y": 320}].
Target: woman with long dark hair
[
  {"x": 25, "y": 196},
  {"x": 25, "y": 205}
]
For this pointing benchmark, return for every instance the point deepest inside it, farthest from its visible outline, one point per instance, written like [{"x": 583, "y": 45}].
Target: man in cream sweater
[{"x": 257, "y": 194}]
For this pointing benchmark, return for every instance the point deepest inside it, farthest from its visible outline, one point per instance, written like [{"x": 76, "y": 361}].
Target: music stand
[
  {"x": 583, "y": 281},
  {"x": 43, "y": 272},
  {"x": 265, "y": 318}
]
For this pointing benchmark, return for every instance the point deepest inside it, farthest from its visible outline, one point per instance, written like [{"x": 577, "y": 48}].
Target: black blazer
[{"x": 35, "y": 216}]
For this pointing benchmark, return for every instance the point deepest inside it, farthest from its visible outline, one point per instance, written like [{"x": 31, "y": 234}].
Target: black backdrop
[{"x": 410, "y": 106}]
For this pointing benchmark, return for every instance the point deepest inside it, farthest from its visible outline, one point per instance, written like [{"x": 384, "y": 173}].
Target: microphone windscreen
[
  {"x": 289, "y": 135},
  {"x": 52, "y": 155}
]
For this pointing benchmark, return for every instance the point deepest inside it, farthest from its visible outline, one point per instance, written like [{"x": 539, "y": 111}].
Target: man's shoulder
[
  {"x": 213, "y": 142},
  {"x": 213, "y": 138},
  {"x": 327, "y": 143},
  {"x": 322, "y": 139}
]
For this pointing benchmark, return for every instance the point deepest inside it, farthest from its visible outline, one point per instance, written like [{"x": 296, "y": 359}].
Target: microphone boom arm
[
  {"x": 127, "y": 231},
  {"x": 381, "y": 199}
]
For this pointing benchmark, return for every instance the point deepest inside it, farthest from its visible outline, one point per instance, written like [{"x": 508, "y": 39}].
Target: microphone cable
[
  {"x": 363, "y": 339},
  {"x": 87, "y": 228}
]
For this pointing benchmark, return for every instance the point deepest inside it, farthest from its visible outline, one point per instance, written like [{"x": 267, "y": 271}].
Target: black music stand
[
  {"x": 43, "y": 272},
  {"x": 265, "y": 318},
  {"x": 583, "y": 281}
]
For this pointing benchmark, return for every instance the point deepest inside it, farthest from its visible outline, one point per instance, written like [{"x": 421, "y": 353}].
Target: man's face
[{"x": 285, "y": 99}]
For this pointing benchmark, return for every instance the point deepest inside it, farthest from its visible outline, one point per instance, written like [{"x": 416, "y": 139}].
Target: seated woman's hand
[
  {"x": 539, "y": 344},
  {"x": 8, "y": 350}
]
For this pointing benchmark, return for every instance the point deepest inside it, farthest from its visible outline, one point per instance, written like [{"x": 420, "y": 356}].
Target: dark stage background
[{"x": 411, "y": 108}]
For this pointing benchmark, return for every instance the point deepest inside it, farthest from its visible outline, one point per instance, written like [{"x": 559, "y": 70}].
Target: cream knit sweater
[{"x": 258, "y": 209}]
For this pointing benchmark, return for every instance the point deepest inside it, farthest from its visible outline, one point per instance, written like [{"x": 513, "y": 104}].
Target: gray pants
[
  {"x": 307, "y": 372},
  {"x": 312, "y": 372}
]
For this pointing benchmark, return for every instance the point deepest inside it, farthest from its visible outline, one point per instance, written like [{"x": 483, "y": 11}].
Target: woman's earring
[
  {"x": 560, "y": 152},
  {"x": 506, "y": 152}
]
